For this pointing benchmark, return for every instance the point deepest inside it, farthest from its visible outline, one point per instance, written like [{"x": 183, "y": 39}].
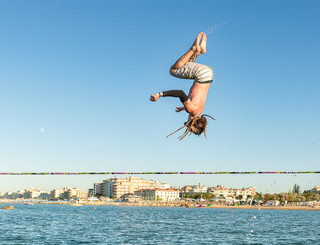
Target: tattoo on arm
[{"x": 193, "y": 57}]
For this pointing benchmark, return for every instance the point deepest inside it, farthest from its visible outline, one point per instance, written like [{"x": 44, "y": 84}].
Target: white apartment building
[
  {"x": 35, "y": 193},
  {"x": 161, "y": 185},
  {"x": 158, "y": 194},
  {"x": 74, "y": 193},
  {"x": 220, "y": 190},
  {"x": 116, "y": 187},
  {"x": 244, "y": 192},
  {"x": 191, "y": 190},
  {"x": 68, "y": 193}
]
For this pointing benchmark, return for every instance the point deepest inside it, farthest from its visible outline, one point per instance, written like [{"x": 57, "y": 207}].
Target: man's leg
[
  {"x": 201, "y": 48},
  {"x": 196, "y": 49}
]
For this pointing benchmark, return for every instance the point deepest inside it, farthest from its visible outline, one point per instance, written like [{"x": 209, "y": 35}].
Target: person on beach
[{"x": 193, "y": 104}]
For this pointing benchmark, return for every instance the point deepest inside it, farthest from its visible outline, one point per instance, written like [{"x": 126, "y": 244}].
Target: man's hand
[
  {"x": 180, "y": 108},
  {"x": 155, "y": 97}
]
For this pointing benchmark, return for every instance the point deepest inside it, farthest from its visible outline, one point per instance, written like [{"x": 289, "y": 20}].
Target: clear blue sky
[{"x": 76, "y": 76}]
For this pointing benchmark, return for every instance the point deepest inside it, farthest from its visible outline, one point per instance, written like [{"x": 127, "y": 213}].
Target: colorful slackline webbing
[{"x": 138, "y": 173}]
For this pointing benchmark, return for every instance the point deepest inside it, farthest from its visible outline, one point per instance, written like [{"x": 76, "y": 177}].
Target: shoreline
[{"x": 162, "y": 205}]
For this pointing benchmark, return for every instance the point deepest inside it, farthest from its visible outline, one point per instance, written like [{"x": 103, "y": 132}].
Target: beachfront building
[
  {"x": 273, "y": 203},
  {"x": 74, "y": 193},
  {"x": 117, "y": 187},
  {"x": 68, "y": 193},
  {"x": 97, "y": 189},
  {"x": 56, "y": 194},
  {"x": 199, "y": 189},
  {"x": 90, "y": 192},
  {"x": 223, "y": 191},
  {"x": 7, "y": 195},
  {"x": 13, "y": 195},
  {"x": 45, "y": 195},
  {"x": 36, "y": 193},
  {"x": 162, "y": 185},
  {"x": 186, "y": 189},
  {"x": 131, "y": 198},
  {"x": 219, "y": 190},
  {"x": 245, "y": 193},
  {"x": 191, "y": 190},
  {"x": 158, "y": 194}
]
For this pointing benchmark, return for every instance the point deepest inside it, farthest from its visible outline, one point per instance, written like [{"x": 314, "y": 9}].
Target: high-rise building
[{"x": 97, "y": 189}]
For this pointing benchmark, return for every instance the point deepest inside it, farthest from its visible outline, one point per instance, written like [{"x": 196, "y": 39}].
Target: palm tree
[{"x": 207, "y": 195}]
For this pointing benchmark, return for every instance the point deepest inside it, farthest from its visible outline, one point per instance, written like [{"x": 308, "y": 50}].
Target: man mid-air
[{"x": 193, "y": 104}]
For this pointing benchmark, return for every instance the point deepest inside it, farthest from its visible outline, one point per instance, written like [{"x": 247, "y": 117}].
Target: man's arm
[
  {"x": 175, "y": 93},
  {"x": 170, "y": 93},
  {"x": 189, "y": 107}
]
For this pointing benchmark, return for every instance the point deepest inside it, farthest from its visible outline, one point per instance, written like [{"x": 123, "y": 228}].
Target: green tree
[
  {"x": 197, "y": 196},
  {"x": 239, "y": 197},
  {"x": 299, "y": 198},
  {"x": 283, "y": 197},
  {"x": 310, "y": 196},
  {"x": 258, "y": 196},
  {"x": 186, "y": 195},
  {"x": 296, "y": 189},
  {"x": 207, "y": 196},
  {"x": 290, "y": 197}
]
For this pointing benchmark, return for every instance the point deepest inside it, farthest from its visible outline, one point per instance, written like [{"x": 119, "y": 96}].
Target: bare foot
[
  {"x": 196, "y": 46},
  {"x": 203, "y": 44}
]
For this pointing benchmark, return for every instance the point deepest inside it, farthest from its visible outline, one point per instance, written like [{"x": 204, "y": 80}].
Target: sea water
[{"x": 65, "y": 224}]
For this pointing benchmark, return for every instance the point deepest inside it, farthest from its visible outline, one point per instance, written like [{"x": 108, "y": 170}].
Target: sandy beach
[
  {"x": 317, "y": 208},
  {"x": 166, "y": 204}
]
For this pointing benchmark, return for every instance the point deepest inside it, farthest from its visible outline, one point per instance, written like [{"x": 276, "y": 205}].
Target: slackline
[{"x": 138, "y": 173}]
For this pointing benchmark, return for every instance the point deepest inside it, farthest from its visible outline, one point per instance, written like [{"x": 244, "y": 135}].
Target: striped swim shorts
[{"x": 200, "y": 73}]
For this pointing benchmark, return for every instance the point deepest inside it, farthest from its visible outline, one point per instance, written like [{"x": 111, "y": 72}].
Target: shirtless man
[{"x": 194, "y": 103}]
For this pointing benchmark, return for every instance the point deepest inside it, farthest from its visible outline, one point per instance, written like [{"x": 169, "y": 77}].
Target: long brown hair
[{"x": 200, "y": 123}]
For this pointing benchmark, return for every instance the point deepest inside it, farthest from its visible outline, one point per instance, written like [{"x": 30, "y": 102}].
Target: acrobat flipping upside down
[{"x": 193, "y": 104}]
